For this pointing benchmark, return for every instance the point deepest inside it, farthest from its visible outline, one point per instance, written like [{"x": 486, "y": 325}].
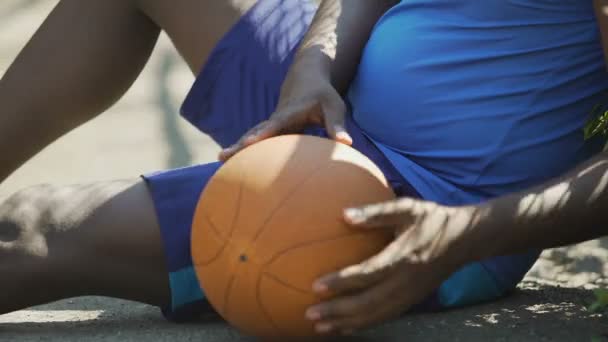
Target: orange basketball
[{"x": 270, "y": 222}]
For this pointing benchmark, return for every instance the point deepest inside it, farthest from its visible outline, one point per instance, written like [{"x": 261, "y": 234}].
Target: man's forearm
[
  {"x": 567, "y": 210},
  {"x": 337, "y": 36}
]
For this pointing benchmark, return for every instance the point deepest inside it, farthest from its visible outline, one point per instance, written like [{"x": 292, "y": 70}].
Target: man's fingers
[
  {"x": 260, "y": 132},
  {"x": 349, "y": 305},
  {"x": 360, "y": 321},
  {"x": 388, "y": 220},
  {"x": 269, "y": 129},
  {"x": 334, "y": 111},
  {"x": 370, "y": 306},
  {"x": 226, "y": 153},
  {"x": 350, "y": 279},
  {"x": 363, "y": 275},
  {"x": 385, "y": 215}
]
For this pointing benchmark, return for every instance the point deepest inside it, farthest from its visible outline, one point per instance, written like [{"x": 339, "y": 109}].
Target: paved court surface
[{"x": 143, "y": 133}]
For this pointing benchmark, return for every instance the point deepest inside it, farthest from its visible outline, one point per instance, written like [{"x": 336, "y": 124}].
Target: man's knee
[
  {"x": 24, "y": 223},
  {"x": 30, "y": 266},
  {"x": 24, "y": 249}
]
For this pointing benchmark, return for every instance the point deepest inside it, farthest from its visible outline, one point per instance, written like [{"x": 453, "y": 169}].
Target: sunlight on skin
[
  {"x": 557, "y": 196},
  {"x": 53, "y": 316},
  {"x": 325, "y": 35},
  {"x": 551, "y": 199},
  {"x": 70, "y": 206},
  {"x": 544, "y": 216},
  {"x": 601, "y": 186},
  {"x": 599, "y": 190}
]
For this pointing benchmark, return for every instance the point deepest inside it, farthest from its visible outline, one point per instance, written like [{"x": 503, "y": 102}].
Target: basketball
[{"x": 269, "y": 223}]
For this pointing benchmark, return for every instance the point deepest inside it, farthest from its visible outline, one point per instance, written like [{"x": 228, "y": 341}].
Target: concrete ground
[{"x": 143, "y": 133}]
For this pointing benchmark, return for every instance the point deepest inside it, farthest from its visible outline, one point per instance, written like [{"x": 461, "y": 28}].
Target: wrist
[
  {"x": 313, "y": 60},
  {"x": 463, "y": 246},
  {"x": 487, "y": 237},
  {"x": 473, "y": 233}
]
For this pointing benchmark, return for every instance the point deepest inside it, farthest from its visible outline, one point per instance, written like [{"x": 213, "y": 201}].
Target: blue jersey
[{"x": 473, "y": 99}]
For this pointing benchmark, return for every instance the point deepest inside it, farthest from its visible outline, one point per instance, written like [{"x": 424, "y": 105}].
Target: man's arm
[
  {"x": 80, "y": 61},
  {"x": 567, "y": 210},
  {"x": 337, "y": 36},
  {"x": 324, "y": 66}
]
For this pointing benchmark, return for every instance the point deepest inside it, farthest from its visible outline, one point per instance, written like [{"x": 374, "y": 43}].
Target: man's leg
[
  {"x": 86, "y": 55},
  {"x": 80, "y": 61},
  {"x": 96, "y": 239}
]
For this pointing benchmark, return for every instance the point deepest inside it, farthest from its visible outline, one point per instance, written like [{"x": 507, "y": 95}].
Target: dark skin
[
  {"x": 432, "y": 241},
  {"x": 72, "y": 239}
]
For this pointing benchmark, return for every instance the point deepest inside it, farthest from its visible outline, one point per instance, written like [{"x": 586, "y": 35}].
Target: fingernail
[
  {"x": 342, "y": 135},
  {"x": 354, "y": 215},
  {"x": 323, "y": 328},
  {"x": 313, "y": 314},
  {"x": 319, "y": 287}
]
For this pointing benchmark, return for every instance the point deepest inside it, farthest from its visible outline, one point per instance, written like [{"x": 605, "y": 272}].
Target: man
[
  {"x": 104, "y": 238},
  {"x": 435, "y": 241}
]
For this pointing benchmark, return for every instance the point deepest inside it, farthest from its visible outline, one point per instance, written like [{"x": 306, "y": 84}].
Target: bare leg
[
  {"x": 87, "y": 54},
  {"x": 99, "y": 239},
  {"x": 80, "y": 61},
  {"x": 96, "y": 239},
  {"x": 195, "y": 26}
]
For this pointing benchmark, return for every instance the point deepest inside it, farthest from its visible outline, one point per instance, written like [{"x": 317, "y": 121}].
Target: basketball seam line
[
  {"x": 290, "y": 194},
  {"x": 278, "y": 280},
  {"x": 219, "y": 252},
  {"x": 226, "y": 241},
  {"x": 213, "y": 227},
  {"x": 307, "y": 243},
  {"x": 261, "y": 305},
  {"x": 263, "y": 267},
  {"x": 227, "y": 294},
  {"x": 237, "y": 212}
]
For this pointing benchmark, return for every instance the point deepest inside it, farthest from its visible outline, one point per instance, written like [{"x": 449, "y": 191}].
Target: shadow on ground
[
  {"x": 537, "y": 312},
  {"x": 534, "y": 313}
]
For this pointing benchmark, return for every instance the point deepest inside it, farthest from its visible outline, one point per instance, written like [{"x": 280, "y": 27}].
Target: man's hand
[
  {"x": 307, "y": 98},
  {"x": 427, "y": 249},
  {"x": 324, "y": 67}
]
